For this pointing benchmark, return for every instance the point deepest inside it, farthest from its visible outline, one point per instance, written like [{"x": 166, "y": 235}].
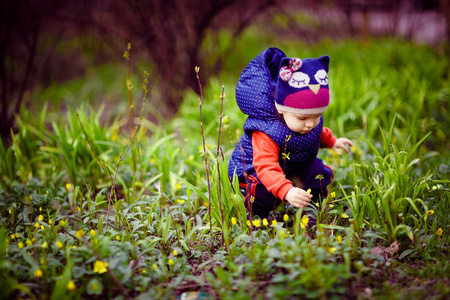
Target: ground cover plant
[{"x": 94, "y": 209}]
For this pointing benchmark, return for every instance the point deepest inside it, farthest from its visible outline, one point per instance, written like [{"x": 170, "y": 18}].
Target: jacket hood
[{"x": 255, "y": 89}]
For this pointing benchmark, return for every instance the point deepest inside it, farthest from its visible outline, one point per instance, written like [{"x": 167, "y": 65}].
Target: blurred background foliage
[{"x": 67, "y": 53}]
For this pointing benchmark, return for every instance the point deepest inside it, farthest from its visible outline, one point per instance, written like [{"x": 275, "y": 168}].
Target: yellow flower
[
  {"x": 180, "y": 201},
  {"x": 80, "y": 233},
  {"x": 304, "y": 222},
  {"x": 59, "y": 244},
  {"x": 285, "y": 217},
  {"x": 283, "y": 233},
  {"x": 17, "y": 235},
  {"x": 317, "y": 204},
  {"x": 171, "y": 262},
  {"x": 42, "y": 261},
  {"x": 439, "y": 231},
  {"x": 430, "y": 212},
  {"x": 50, "y": 221},
  {"x": 41, "y": 218},
  {"x": 256, "y": 223},
  {"x": 344, "y": 215},
  {"x": 274, "y": 222},
  {"x": 152, "y": 161},
  {"x": 118, "y": 238},
  {"x": 36, "y": 225},
  {"x": 233, "y": 221},
  {"x": 13, "y": 236},
  {"x": 265, "y": 222},
  {"x": 71, "y": 285},
  {"x": 331, "y": 206},
  {"x": 38, "y": 273},
  {"x": 248, "y": 223},
  {"x": 309, "y": 191},
  {"x": 339, "y": 239},
  {"x": 94, "y": 286},
  {"x": 44, "y": 245},
  {"x": 92, "y": 232},
  {"x": 191, "y": 157},
  {"x": 20, "y": 245},
  {"x": 332, "y": 250},
  {"x": 42, "y": 227},
  {"x": 68, "y": 186},
  {"x": 353, "y": 149},
  {"x": 175, "y": 253},
  {"x": 100, "y": 267},
  {"x": 225, "y": 119},
  {"x": 29, "y": 243},
  {"x": 154, "y": 267},
  {"x": 144, "y": 271},
  {"x": 333, "y": 194},
  {"x": 40, "y": 208},
  {"x": 10, "y": 212},
  {"x": 177, "y": 186}
]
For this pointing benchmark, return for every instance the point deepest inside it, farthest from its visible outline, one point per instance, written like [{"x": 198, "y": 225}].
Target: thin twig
[
  {"x": 197, "y": 70},
  {"x": 217, "y": 157}
]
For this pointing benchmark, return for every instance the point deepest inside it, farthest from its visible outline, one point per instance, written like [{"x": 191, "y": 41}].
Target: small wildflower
[
  {"x": 17, "y": 235},
  {"x": 71, "y": 285},
  {"x": 50, "y": 222},
  {"x": 10, "y": 212},
  {"x": 436, "y": 187},
  {"x": 59, "y": 244},
  {"x": 439, "y": 231},
  {"x": 44, "y": 245},
  {"x": 333, "y": 194},
  {"x": 143, "y": 271},
  {"x": 68, "y": 186},
  {"x": 319, "y": 176},
  {"x": 265, "y": 222},
  {"x": 257, "y": 223},
  {"x": 285, "y": 156},
  {"x": 283, "y": 233},
  {"x": 42, "y": 227},
  {"x": 40, "y": 208},
  {"x": 339, "y": 239},
  {"x": 80, "y": 233},
  {"x": 430, "y": 212},
  {"x": 330, "y": 205},
  {"x": 353, "y": 149},
  {"x": 309, "y": 191},
  {"x": 285, "y": 217},
  {"x": 73, "y": 246},
  {"x": 171, "y": 262},
  {"x": 13, "y": 236},
  {"x": 152, "y": 161},
  {"x": 36, "y": 225},
  {"x": 118, "y": 238},
  {"x": 42, "y": 261},
  {"x": 248, "y": 223},
  {"x": 304, "y": 222},
  {"x": 332, "y": 250},
  {"x": 100, "y": 267},
  {"x": 344, "y": 215},
  {"x": 92, "y": 232},
  {"x": 274, "y": 222},
  {"x": 197, "y": 69},
  {"x": 154, "y": 267},
  {"x": 175, "y": 253},
  {"x": 20, "y": 245},
  {"x": 317, "y": 204},
  {"x": 38, "y": 273},
  {"x": 191, "y": 157},
  {"x": 181, "y": 201},
  {"x": 233, "y": 221},
  {"x": 29, "y": 243},
  {"x": 78, "y": 208},
  {"x": 225, "y": 119},
  {"x": 178, "y": 186}
]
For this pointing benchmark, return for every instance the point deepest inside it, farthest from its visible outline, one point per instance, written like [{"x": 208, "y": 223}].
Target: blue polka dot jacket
[{"x": 255, "y": 92}]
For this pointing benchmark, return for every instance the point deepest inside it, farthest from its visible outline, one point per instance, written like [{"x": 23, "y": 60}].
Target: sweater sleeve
[
  {"x": 327, "y": 139},
  {"x": 267, "y": 167}
]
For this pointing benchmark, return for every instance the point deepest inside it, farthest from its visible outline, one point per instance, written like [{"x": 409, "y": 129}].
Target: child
[{"x": 275, "y": 159}]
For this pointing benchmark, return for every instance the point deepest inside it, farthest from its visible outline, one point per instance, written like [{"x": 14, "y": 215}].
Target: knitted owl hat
[{"x": 302, "y": 85}]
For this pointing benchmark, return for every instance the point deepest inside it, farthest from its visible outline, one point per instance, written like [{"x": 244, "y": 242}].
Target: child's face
[{"x": 301, "y": 123}]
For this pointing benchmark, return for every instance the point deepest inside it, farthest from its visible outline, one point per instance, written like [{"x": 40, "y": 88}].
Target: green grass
[{"x": 60, "y": 219}]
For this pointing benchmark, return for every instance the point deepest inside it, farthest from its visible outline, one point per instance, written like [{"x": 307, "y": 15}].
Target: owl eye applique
[
  {"x": 321, "y": 77},
  {"x": 299, "y": 80}
]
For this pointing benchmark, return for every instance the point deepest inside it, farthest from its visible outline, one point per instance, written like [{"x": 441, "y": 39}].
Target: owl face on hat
[{"x": 302, "y": 85}]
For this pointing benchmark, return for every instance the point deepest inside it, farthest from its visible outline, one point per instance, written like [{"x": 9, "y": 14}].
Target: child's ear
[{"x": 279, "y": 111}]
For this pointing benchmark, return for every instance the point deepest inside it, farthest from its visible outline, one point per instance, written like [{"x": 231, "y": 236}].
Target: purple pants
[{"x": 316, "y": 177}]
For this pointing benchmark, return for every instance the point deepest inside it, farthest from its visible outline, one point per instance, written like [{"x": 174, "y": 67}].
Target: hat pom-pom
[
  {"x": 294, "y": 65},
  {"x": 285, "y": 73}
]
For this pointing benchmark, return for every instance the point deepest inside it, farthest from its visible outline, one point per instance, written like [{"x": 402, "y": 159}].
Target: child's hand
[
  {"x": 341, "y": 143},
  {"x": 298, "y": 197}
]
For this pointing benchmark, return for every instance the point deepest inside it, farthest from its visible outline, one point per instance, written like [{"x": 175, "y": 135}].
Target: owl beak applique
[{"x": 314, "y": 87}]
